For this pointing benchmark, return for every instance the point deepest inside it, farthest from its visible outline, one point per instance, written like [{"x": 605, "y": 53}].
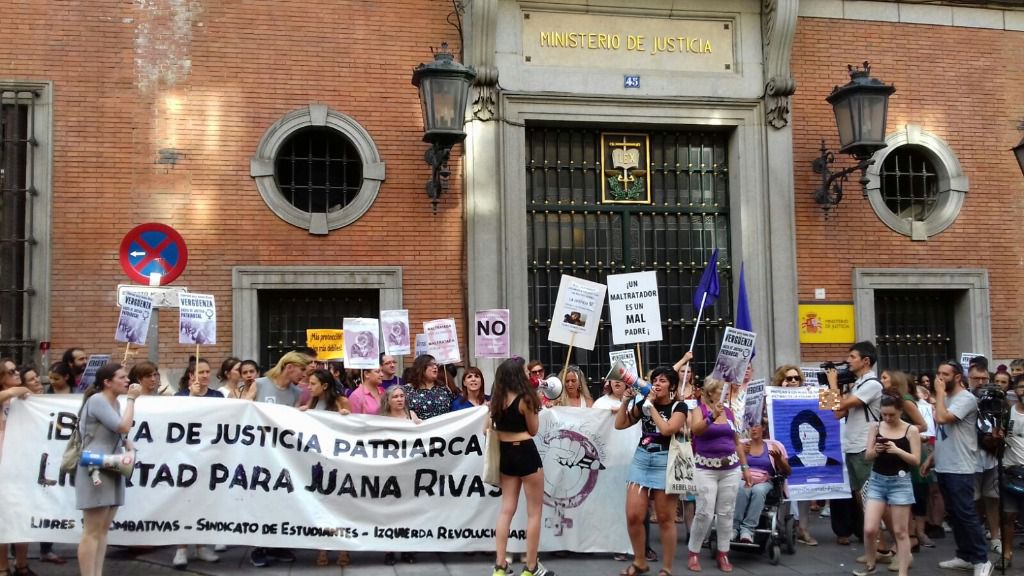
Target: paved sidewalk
[{"x": 827, "y": 559}]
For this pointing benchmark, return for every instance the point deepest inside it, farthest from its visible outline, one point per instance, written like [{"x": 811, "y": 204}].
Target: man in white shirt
[{"x": 861, "y": 406}]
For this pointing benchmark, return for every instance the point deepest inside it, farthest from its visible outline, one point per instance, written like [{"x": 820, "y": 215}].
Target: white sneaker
[
  {"x": 983, "y": 569},
  {"x": 957, "y": 564},
  {"x": 220, "y": 548},
  {"x": 205, "y": 554},
  {"x": 180, "y": 561},
  {"x": 997, "y": 546},
  {"x": 826, "y": 512}
]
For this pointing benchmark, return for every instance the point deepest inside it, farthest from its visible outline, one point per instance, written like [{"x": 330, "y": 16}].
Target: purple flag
[
  {"x": 708, "y": 284},
  {"x": 743, "y": 320}
]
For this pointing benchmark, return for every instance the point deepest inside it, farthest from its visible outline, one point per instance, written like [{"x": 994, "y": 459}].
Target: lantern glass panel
[
  {"x": 872, "y": 117},
  {"x": 447, "y": 98},
  {"x": 844, "y": 122}
]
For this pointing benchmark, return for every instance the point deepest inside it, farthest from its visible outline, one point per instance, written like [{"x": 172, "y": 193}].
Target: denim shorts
[
  {"x": 648, "y": 468},
  {"x": 893, "y": 490}
]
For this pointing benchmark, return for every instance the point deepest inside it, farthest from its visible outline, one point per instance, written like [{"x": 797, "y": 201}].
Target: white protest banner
[
  {"x": 197, "y": 319},
  {"x": 421, "y": 344},
  {"x": 89, "y": 375},
  {"x": 813, "y": 441},
  {"x": 633, "y": 307},
  {"x": 734, "y": 355},
  {"x": 577, "y": 312},
  {"x": 255, "y": 474},
  {"x": 754, "y": 404},
  {"x": 442, "y": 340},
  {"x": 965, "y": 359},
  {"x": 627, "y": 357},
  {"x": 361, "y": 342},
  {"x": 395, "y": 328},
  {"x": 492, "y": 339},
  {"x": 133, "y": 323}
]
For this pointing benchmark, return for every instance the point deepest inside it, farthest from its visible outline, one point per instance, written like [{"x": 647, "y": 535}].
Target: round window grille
[
  {"x": 318, "y": 170},
  {"x": 909, "y": 183}
]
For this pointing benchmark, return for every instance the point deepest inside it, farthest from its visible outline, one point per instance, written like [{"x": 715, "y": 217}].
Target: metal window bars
[
  {"x": 909, "y": 183},
  {"x": 318, "y": 170}
]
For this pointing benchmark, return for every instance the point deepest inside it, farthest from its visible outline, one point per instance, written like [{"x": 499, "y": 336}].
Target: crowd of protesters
[{"x": 920, "y": 460}]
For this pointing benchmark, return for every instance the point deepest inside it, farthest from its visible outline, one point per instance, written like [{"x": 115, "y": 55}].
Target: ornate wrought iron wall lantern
[
  {"x": 1018, "y": 150},
  {"x": 444, "y": 90},
  {"x": 861, "y": 108}
]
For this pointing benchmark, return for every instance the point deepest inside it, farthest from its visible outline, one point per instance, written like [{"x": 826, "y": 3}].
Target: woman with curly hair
[{"x": 424, "y": 393}]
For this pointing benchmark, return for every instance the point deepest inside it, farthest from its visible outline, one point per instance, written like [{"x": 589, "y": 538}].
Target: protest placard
[
  {"x": 361, "y": 342},
  {"x": 133, "y": 322},
  {"x": 628, "y": 359},
  {"x": 965, "y": 359},
  {"x": 810, "y": 374},
  {"x": 197, "y": 319},
  {"x": 813, "y": 441},
  {"x": 258, "y": 474},
  {"x": 734, "y": 355},
  {"x": 329, "y": 344},
  {"x": 421, "y": 344},
  {"x": 753, "y": 404},
  {"x": 395, "y": 328},
  {"x": 442, "y": 340},
  {"x": 634, "y": 308},
  {"x": 91, "y": 366},
  {"x": 577, "y": 312},
  {"x": 492, "y": 339}
]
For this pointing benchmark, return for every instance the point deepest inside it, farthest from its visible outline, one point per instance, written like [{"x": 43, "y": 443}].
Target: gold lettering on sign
[{"x": 634, "y": 42}]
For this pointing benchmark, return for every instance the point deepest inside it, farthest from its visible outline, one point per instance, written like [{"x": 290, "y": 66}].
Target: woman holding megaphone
[
  {"x": 660, "y": 418},
  {"x": 104, "y": 431}
]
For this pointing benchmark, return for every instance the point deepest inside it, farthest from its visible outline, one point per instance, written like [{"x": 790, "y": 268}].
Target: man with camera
[
  {"x": 956, "y": 446},
  {"x": 986, "y": 483},
  {"x": 860, "y": 405}
]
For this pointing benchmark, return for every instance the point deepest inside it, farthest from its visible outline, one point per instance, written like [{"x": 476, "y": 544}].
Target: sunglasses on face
[
  {"x": 537, "y": 371},
  {"x": 792, "y": 378}
]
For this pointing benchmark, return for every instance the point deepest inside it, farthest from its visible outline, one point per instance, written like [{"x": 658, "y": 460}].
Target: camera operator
[
  {"x": 986, "y": 477},
  {"x": 956, "y": 443},
  {"x": 860, "y": 405},
  {"x": 1013, "y": 457}
]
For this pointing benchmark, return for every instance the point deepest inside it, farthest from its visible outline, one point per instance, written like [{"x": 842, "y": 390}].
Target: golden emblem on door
[{"x": 624, "y": 168}]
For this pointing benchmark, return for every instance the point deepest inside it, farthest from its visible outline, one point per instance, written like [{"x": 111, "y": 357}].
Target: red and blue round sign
[{"x": 150, "y": 248}]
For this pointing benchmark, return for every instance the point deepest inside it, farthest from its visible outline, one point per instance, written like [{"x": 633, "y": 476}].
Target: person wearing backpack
[{"x": 861, "y": 406}]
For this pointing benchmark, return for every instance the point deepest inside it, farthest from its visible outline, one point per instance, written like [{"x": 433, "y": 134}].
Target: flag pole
[
  {"x": 693, "y": 340},
  {"x": 565, "y": 367},
  {"x": 639, "y": 362}
]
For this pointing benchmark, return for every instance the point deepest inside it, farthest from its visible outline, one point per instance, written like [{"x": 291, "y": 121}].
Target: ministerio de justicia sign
[{"x": 628, "y": 43}]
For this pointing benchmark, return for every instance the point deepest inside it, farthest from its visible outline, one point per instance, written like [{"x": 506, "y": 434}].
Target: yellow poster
[
  {"x": 827, "y": 324},
  {"x": 329, "y": 344}
]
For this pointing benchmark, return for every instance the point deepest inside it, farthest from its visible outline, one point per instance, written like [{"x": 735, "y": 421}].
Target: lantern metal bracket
[
  {"x": 830, "y": 192},
  {"x": 437, "y": 158}
]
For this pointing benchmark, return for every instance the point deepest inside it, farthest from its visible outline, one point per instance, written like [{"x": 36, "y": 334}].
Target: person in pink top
[{"x": 366, "y": 398}]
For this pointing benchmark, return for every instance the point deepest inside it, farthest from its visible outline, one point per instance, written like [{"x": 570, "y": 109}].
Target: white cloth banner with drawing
[{"x": 241, "y": 473}]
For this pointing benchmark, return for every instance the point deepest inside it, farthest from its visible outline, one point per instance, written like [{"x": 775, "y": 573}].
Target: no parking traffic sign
[{"x": 153, "y": 248}]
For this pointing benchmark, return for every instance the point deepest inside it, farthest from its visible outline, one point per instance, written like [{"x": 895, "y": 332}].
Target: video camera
[
  {"x": 842, "y": 371},
  {"x": 991, "y": 406}
]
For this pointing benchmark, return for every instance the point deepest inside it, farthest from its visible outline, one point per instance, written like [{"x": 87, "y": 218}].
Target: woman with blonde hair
[
  {"x": 721, "y": 464},
  {"x": 788, "y": 376},
  {"x": 575, "y": 392}
]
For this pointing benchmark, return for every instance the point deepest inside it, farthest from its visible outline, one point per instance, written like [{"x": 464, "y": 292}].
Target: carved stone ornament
[
  {"x": 482, "y": 27},
  {"x": 778, "y": 25}
]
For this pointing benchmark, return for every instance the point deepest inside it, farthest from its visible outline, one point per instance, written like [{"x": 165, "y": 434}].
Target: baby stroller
[{"x": 776, "y": 530}]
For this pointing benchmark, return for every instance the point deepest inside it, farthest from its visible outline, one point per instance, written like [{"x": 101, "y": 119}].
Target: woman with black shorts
[{"x": 514, "y": 408}]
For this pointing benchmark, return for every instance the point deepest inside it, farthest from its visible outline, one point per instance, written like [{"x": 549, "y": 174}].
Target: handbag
[
  {"x": 492, "y": 458},
  {"x": 1013, "y": 480},
  {"x": 680, "y": 472},
  {"x": 73, "y": 450}
]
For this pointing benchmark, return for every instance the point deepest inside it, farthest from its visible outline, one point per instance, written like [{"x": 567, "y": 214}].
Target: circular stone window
[
  {"x": 317, "y": 169},
  {"x": 916, "y": 185}
]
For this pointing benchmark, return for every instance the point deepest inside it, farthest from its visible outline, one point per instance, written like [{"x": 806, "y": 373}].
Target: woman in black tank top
[
  {"x": 895, "y": 448},
  {"x": 514, "y": 408}
]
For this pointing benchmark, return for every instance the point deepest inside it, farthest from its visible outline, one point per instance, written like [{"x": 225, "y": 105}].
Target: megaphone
[
  {"x": 551, "y": 388},
  {"x": 123, "y": 464},
  {"x": 623, "y": 374}
]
